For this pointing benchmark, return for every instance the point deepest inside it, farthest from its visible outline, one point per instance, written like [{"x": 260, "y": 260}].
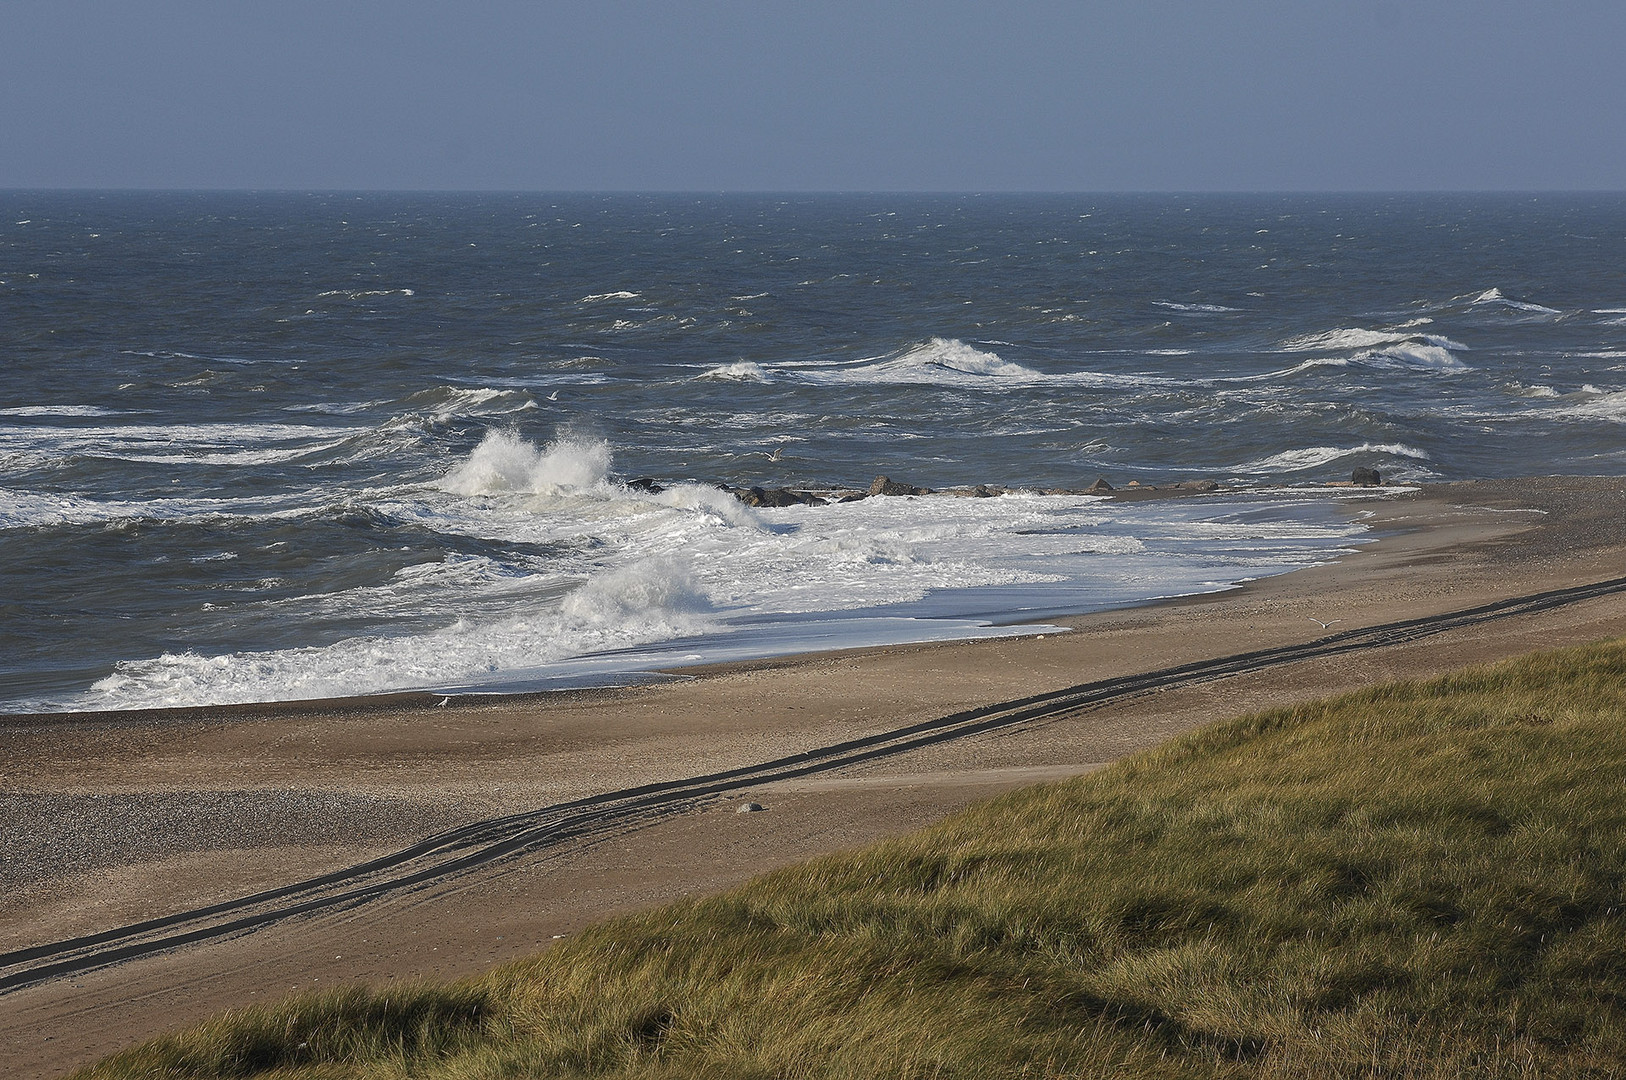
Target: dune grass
[{"x": 1420, "y": 880}]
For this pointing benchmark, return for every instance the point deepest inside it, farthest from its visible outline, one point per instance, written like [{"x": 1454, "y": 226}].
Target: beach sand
[{"x": 106, "y": 819}]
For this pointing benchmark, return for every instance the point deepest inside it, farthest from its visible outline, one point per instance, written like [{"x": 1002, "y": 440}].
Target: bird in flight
[{"x": 1324, "y": 625}]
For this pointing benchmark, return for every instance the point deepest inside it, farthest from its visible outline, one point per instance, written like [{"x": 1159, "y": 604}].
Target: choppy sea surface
[{"x": 279, "y": 446}]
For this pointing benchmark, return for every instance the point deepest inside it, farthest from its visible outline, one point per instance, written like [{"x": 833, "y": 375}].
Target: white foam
[
  {"x": 1315, "y": 457},
  {"x": 599, "y": 297},
  {"x": 26, "y": 509},
  {"x": 691, "y": 574},
  {"x": 195, "y": 444}
]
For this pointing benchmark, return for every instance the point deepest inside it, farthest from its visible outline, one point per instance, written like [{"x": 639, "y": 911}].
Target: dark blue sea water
[{"x": 258, "y": 446}]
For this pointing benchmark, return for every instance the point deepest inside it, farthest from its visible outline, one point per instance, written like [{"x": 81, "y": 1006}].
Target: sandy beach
[{"x": 109, "y": 819}]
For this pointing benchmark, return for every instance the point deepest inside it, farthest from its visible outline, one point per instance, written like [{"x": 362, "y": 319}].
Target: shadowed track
[{"x": 471, "y": 846}]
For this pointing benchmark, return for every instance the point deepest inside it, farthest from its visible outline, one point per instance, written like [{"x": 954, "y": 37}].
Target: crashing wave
[{"x": 504, "y": 463}]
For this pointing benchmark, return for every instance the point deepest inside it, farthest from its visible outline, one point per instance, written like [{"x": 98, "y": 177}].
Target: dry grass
[{"x": 1422, "y": 880}]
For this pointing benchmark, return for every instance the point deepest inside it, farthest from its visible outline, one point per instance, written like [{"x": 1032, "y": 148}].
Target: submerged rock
[{"x": 645, "y": 483}]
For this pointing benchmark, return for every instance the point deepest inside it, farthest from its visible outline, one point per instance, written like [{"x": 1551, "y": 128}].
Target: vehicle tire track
[{"x": 469, "y": 847}]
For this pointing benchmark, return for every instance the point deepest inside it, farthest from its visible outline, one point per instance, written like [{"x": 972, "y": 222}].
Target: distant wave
[
  {"x": 1384, "y": 348},
  {"x": 1608, "y": 405},
  {"x": 59, "y": 410},
  {"x": 1358, "y": 338},
  {"x": 365, "y": 294},
  {"x": 1203, "y": 309},
  {"x": 600, "y": 297},
  {"x": 951, "y": 363},
  {"x": 1495, "y": 297},
  {"x": 448, "y": 401},
  {"x": 1316, "y": 457}
]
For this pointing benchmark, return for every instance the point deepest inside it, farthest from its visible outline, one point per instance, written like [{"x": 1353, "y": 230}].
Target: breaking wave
[
  {"x": 1316, "y": 457},
  {"x": 1494, "y": 297}
]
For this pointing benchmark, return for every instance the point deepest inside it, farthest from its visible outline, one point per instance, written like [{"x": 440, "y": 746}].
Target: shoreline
[
  {"x": 354, "y": 777},
  {"x": 1339, "y": 491}
]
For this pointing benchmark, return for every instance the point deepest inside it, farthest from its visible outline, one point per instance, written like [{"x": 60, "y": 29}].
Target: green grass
[{"x": 1421, "y": 880}]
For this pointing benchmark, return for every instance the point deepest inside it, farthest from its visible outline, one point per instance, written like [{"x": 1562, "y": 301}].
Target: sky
[{"x": 819, "y": 95}]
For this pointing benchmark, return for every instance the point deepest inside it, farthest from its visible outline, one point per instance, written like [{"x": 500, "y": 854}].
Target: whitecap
[
  {"x": 1495, "y": 297},
  {"x": 1359, "y": 338},
  {"x": 1203, "y": 309},
  {"x": 599, "y": 297},
  {"x": 740, "y": 371},
  {"x": 365, "y": 294},
  {"x": 1423, "y": 356}
]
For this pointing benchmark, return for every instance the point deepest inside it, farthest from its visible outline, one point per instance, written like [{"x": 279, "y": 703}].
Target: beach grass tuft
[{"x": 1425, "y": 879}]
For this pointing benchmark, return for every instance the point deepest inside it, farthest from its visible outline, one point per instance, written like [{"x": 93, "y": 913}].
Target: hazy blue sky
[{"x": 712, "y": 95}]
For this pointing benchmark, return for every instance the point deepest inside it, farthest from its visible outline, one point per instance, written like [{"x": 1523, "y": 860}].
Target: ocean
[{"x": 276, "y": 446}]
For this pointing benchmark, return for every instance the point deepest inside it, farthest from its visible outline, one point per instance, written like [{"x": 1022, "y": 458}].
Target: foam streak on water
[{"x": 261, "y": 446}]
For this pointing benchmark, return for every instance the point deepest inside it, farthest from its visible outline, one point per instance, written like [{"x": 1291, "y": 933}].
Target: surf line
[{"x": 469, "y": 847}]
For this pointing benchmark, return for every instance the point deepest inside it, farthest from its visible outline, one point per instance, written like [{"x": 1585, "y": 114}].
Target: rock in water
[
  {"x": 758, "y": 496},
  {"x": 885, "y": 485},
  {"x": 1364, "y": 477},
  {"x": 1099, "y": 486}
]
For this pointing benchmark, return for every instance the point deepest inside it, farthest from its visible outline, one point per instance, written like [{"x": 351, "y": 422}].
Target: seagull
[
  {"x": 1324, "y": 625},
  {"x": 554, "y": 396},
  {"x": 443, "y": 702},
  {"x": 778, "y": 453}
]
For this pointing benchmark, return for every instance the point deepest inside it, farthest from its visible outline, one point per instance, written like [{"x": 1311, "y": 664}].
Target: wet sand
[{"x": 106, "y": 819}]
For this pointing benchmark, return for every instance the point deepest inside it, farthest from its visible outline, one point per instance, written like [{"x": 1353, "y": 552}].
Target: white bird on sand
[
  {"x": 443, "y": 702},
  {"x": 1324, "y": 625}
]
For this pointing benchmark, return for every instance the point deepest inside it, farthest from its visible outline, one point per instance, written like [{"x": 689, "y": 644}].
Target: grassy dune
[{"x": 1425, "y": 879}]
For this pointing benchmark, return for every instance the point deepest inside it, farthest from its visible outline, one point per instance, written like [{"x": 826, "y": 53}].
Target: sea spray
[{"x": 504, "y": 462}]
